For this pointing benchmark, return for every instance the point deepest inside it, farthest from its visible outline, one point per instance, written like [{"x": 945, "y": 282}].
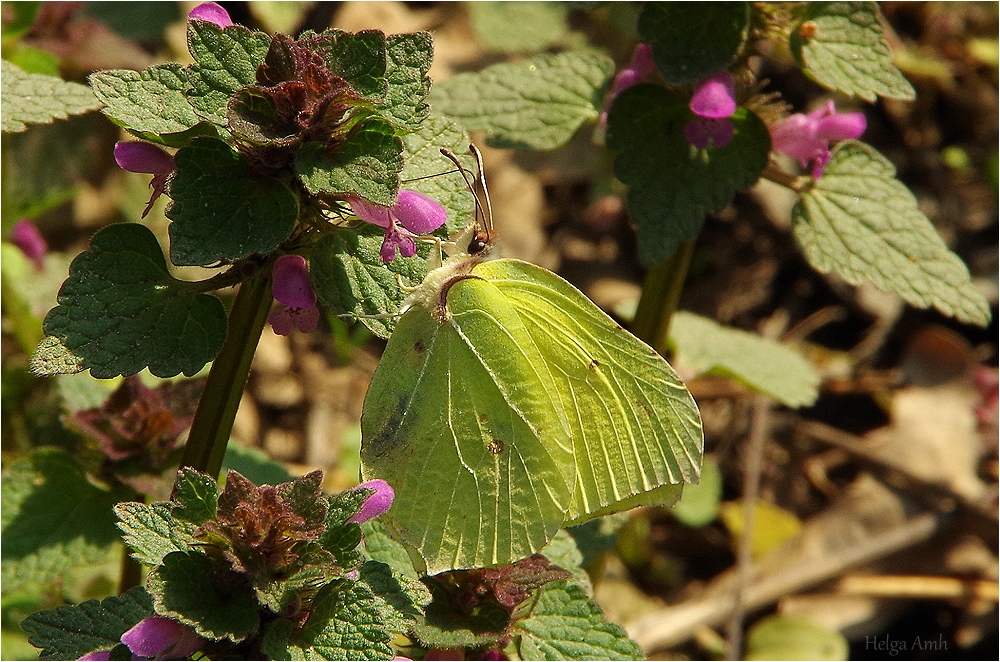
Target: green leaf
[
  {"x": 672, "y": 184},
  {"x": 150, "y": 102},
  {"x": 848, "y": 51},
  {"x": 37, "y": 99},
  {"x": 186, "y": 587},
  {"x": 359, "y": 58},
  {"x": 52, "y": 357},
  {"x": 404, "y": 597},
  {"x": 762, "y": 364},
  {"x": 565, "y": 553},
  {"x": 226, "y": 59},
  {"x": 345, "y": 624},
  {"x": 535, "y": 104},
  {"x": 567, "y": 625},
  {"x": 221, "y": 210},
  {"x": 367, "y": 164},
  {"x": 691, "y": 40},
  {"x": 429, "y": 172},
  {"x": 196, "y": 496},
  {"x": 379, "y": 546},
  {"x": 794, "y": 638},
  {"x": 699, "y": 505},
  {"x": 152, "y": 531},
  {"x": 54, "y": 518},
  {"x": 408, "y": 60},
  {"x": 862, "y": 223},
  {"x": 349, "y": 276},
  {"x": 120, "y": 310},
  {"x": 69, "y": 632},
  {"x": 518, "y": 27}
]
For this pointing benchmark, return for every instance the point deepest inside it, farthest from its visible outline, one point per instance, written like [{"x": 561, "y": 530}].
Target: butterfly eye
[{"x": 478, "y": 244}]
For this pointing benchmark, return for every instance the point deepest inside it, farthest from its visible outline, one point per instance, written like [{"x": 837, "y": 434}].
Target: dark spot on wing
[
  {"x": 483, "y": 418},
  {"x": 496, "y": 446},
  {"x": 419, "y": 347},
  {"x": 594, "y": 364},
  {"x": 388, "y": 438}
]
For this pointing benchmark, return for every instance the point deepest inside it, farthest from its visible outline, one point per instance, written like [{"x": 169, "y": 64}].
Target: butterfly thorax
[{"x": 432, "y": 293}]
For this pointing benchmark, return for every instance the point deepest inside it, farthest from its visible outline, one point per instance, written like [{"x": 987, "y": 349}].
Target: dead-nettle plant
[{"x": 320, "y": 171}]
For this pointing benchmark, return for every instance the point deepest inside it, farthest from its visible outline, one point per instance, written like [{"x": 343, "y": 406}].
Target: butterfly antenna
[
  {"x": 485, "y": 213},
  {"x": 488, "y": 216}
]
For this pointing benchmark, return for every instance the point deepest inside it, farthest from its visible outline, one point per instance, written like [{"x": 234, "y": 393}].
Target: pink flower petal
[
  {"x": 213, "y": 13},
  {"x": 143, "y": 157},
  {"x": 715, "y": 96},
  {"x": 304, "y": 319},
  {"x": 376, "y": 504},
  {"x": 291, "y": 285},
  {"x": 96, "y": 655},
  {"x": 156, "y": 635},
  {"x": 25, "y": 235},
  {"x": 842, "y": 127},
  {"x": 642, "y": 61},
  {"x": 418, "y": 213},
  {"x": 368, "y": 212},
  {"x": 280, "y": 320}
]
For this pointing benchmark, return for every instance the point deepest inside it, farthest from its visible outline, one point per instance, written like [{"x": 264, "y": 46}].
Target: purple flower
[
  {"x": 807, "y": 137},
  {"x": 638, "y": 69},
  {"x": 415, "y": 212},
  {"x": 291, "y": 288},
  {"x": 146, "y": 158},
  {"x": 156, "y": 638},
  {"x": 213, "y": 13},
  {"x": 26, "y": 236},
  {"x": 713, "y": 102},
  {"x": 376, "y": 504}
]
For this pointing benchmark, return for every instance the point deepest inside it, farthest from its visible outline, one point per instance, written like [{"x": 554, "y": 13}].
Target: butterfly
[{"x": 507, "y": 405}]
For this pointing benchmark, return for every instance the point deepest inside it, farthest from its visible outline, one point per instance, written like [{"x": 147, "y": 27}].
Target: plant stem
[
  {"x": 213, "y": 421},
  {"x": 660, "y": 295}
]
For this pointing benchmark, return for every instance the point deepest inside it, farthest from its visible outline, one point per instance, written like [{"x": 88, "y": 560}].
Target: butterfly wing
[
  {"x": 462, "y": 419},
  {"x": 636, "y": 429}
]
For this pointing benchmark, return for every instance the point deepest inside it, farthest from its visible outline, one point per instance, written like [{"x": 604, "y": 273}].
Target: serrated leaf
[
  {"x": 359, "y": 58},
  {"x": 379, "y": 546},
  {"x": 429, "y": 172},
  {"x": 408, "y": 59},
  {"x": 52, "y": 357},
  {"x": 691, "y": 40},
  {"x": 564, "y": 552},
  {"x": 764, "y": 365},
  {"x": 795, "y": 638},
  {"x": 848, "y": 51},
  {"x": 152, "y": 531},
  {"x": 862, "y": 223},
  {"x": 345, "y": 624},
  {"x": 567, "y": 625},
  {"x": 226, "y": 59},
  {"x": 69, "y": 632},
  {"x": 39, "y": 99},
  {"x": 367, "y": 164},
  {"x": 404, "y": 597},
  {"x": 348, "y": 275},
  {"x": 148, "y": 102},
  {"x": 184, "y": 587},
  {"x": 672, "y": 186},
  {"x": 535, "y": 104},
  {"x": 518, "y": 27},
  {"x": 53, "y": 518},
  {"x": 195, "y": 495},
  {"x": 120, "y": 310},
  {"x": 221, "y": 210}
]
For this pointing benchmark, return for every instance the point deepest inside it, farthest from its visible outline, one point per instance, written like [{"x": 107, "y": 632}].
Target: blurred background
[{"x": 881, "y": 498}]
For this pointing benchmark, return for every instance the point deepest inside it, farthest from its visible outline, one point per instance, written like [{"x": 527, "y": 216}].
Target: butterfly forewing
[{"x": 636, "y": 429}]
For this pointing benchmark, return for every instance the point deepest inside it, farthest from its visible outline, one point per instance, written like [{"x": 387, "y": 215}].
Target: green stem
[
  {"x": 660, "y": 295},
  {"x": 213, "y": 421}
]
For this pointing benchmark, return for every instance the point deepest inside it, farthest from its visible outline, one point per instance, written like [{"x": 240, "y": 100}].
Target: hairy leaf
[
  {"x": 672, "y": 184},
  {"x": 226, "y": 59},
  {"x": 120, "y": 310},
  {"x": 864, "y": 224},
  {"x": 152, "y": 531},
  {"x": 691, "y": 40},
  {"x": 221, "y": 210},
  {"x": 150, "y": 102},
  {"x": 39, "y": 99},
  {"x": 535, "y": 104},
  {"x": 69, "y": 632},
  {"x": 567, "y": 625},
  {"x": 518, "y": 27},
  {"x": 409, "y": 58},
  {"x": 847, "y": 51},
  {"x": 430, "y": 173}
]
